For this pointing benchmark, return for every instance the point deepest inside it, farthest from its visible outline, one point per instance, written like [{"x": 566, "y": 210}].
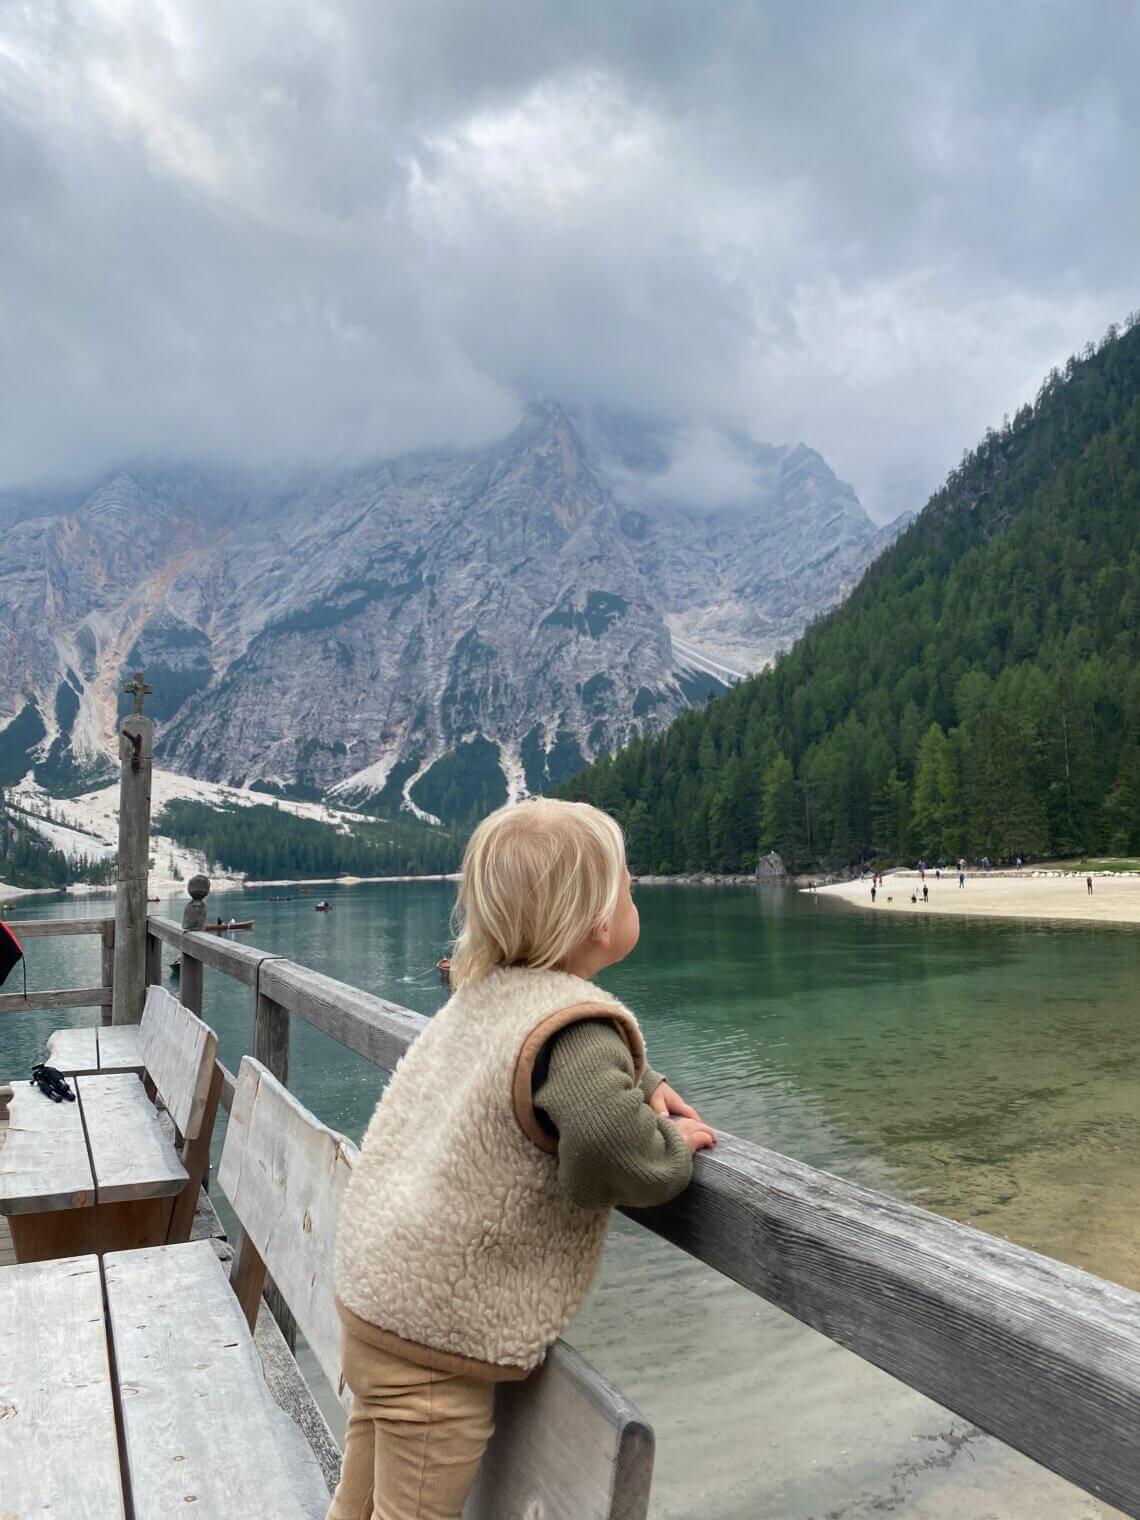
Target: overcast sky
[{"x": 279, "y": 230}]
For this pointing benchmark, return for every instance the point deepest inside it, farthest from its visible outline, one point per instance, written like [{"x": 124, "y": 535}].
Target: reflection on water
[{"x": 989, "y": 1071}]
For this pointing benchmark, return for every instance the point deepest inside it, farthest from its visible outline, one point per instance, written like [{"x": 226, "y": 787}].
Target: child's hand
[
  {"x": 698, "y": 1135},
  {"x": 670, "y": 1104}
]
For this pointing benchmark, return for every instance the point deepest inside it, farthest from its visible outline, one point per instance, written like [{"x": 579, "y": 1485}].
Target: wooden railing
[
  {"x": 67, "y": 997},
  {"x": 1040, "y": 1354}
]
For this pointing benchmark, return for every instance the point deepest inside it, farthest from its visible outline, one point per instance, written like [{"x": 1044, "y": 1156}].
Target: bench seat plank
[
  {"x": 130, "y": 1155},
  {"x": 58, "y": 1449},
  {"x": 44, "y": 1163},
  {"x": 120, "y": 1048},
  {"x": 201, "y": 1431},
  {"x": 73, "y": 1051}
]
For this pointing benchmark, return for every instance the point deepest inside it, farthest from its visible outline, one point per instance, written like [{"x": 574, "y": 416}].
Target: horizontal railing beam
[
  {"x": 65, "y": 997},
  {"x": 42, "y": 928},
  {"x": 376, "y": 1029},
  {"x": 239, "y": 961},
  {"x": 1042, "y": 1355}
]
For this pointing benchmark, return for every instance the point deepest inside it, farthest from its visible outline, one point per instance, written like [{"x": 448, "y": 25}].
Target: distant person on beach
[
  {"x": 1088, "y": 883},
  {"x": 914, "y": 897},
  {"x": 961, "y": 877},
  {"x": 925, "y": 893},
  {"x": 461, "y": 1260},
  {"x": 872, "y": 892}
]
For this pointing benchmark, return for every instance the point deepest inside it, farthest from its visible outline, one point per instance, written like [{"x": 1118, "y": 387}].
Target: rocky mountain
[{"x": 436, "y": 631}]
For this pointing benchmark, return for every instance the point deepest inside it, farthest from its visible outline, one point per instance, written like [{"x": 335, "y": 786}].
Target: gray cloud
[{"x": 326, "y": 231}]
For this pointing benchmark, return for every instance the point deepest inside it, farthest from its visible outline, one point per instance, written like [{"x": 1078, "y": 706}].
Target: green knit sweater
[{"x": 612, "y": 1148}]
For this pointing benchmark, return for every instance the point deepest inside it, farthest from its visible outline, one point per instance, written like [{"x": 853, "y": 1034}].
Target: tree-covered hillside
[
  {"x": 979, "y": 692},
  {"x": 28, "y": 860},
  {"x": 269, "y": 841}
]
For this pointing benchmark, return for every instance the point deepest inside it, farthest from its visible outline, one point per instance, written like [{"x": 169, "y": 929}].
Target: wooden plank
[
  {"x": 291, "y": 1393},
  {"x": 39, "y": 928},
  {"x": 107, "y": 961},
  {"x": 271, "y": 1037},
  {"x": 63, "y": 997},
  {"x": 190, "y": 983},
  {"x": 136, "y": 747},
  {"x": 284, "y": 1173},
  {"x": 74, "y": 1050},
  {"x": 179, "y": 1053},
  {"x": 375, "y": 1028},
  {"x": 271, "y": 1048},
  {"x": 120, "y": 1048},
  {"x": 229, "y": 1087},
  {"x": 153, "y": 960},
  {"x": 201, "y": 1432},
  {"x": 44, "y": 1164},
  {"x": 58, "y": 1448},
  {"x": 567, "y": 1443},
  {"x": 196, "y": 1160},
  {"x": 239, "y": 961},
  {"x": 130, "y": 1156},
  {"x": 1041, "y": 1355}
]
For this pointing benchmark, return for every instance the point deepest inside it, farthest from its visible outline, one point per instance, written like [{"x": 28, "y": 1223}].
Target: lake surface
[{"x": 990, "y": 1072}]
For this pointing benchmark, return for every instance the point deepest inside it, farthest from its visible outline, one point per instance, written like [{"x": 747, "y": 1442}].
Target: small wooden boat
[
  {"x": 323, "y": 907},
  {"x": 176, "y": 970},
  {"x": 245, "y": 923},
  {"x": 154, "y": 899},
  {"x": 444, "y": 969}
]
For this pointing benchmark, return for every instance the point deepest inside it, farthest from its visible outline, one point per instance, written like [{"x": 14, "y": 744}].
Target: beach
[{"x": 1061, "y": 896}]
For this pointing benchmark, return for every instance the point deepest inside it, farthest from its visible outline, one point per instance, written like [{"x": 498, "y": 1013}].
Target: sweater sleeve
[{"x": 612, "y": 1148}]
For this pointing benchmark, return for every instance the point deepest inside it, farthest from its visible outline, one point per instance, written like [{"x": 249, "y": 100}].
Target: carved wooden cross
[{"x": 138, "y": 689}]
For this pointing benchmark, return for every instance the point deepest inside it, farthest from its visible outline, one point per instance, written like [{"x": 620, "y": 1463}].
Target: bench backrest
[
  {"x": 567, "y": 1444},
  {"x": 284, "y": 1173},
  {"x": 178, "y": 1051}
]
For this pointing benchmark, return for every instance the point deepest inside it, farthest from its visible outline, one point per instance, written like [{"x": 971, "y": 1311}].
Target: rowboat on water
[
  {"x": 444, "y": 969},
  {"x": 220, "y": 928},
  {"x": 323, "y": 907}
]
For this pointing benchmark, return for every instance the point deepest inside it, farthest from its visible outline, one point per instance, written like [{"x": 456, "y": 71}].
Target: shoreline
[{"x": 1038, "y": 896}]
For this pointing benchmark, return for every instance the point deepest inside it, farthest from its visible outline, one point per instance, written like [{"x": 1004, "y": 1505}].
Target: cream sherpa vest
[{"x": 456, "y": 1244}]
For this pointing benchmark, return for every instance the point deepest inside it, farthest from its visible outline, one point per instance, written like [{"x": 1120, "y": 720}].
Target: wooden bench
[
  {"x": 99, "y": 1174},
  {"x": 154, "y": 1390},
  {"x": 567, "y": 1444},
  {"x": 58, "y": 1446},
  {"x": 97, "y": 1048}
]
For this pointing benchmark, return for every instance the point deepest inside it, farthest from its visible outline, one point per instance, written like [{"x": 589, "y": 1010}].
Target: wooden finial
[{"x": 138, "y": 689}]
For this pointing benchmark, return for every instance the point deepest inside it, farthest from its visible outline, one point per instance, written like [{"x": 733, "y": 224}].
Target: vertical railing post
[
  {"x": 107, "y": 962},
  {"x": 271, "y": 1036},
  {"x": 136, "y": 749},
  {"x": 153, "y": 960},
  {"x": 193, "y": 918},
  {"x": 271, "y": 1047}
]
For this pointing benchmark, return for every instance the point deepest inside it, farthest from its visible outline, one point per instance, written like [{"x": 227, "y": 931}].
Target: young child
[{"x": 524, "y": 1112}]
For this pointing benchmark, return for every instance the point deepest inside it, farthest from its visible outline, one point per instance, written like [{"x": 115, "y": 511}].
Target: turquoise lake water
[{"x": 988, "y": 1071}]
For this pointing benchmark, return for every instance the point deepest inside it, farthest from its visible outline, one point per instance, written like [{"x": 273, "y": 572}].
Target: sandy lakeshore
[{"x": 1114, "y": 899}]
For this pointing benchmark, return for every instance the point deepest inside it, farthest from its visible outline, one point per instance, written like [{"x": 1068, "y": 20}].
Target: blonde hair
[{"x": 537, "y": 878}]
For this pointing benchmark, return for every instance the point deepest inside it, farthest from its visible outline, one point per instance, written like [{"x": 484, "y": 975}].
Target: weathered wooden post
[
  {"x": 136, "y": 750},
  {"x": 107, "y": 963},
  {"x": 193, "y": 918},
  {"x": 271, "y": 1046}
]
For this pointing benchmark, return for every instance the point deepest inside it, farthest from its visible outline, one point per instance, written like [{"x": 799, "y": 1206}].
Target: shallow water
[{"x": 988, "y": 1071}]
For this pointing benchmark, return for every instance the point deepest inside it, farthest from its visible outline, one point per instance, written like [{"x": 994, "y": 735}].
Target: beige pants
[{"x": 414, "y": 1439}]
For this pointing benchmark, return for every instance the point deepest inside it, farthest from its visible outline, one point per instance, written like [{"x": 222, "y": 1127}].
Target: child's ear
[{"x": 600, "y": 934}]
